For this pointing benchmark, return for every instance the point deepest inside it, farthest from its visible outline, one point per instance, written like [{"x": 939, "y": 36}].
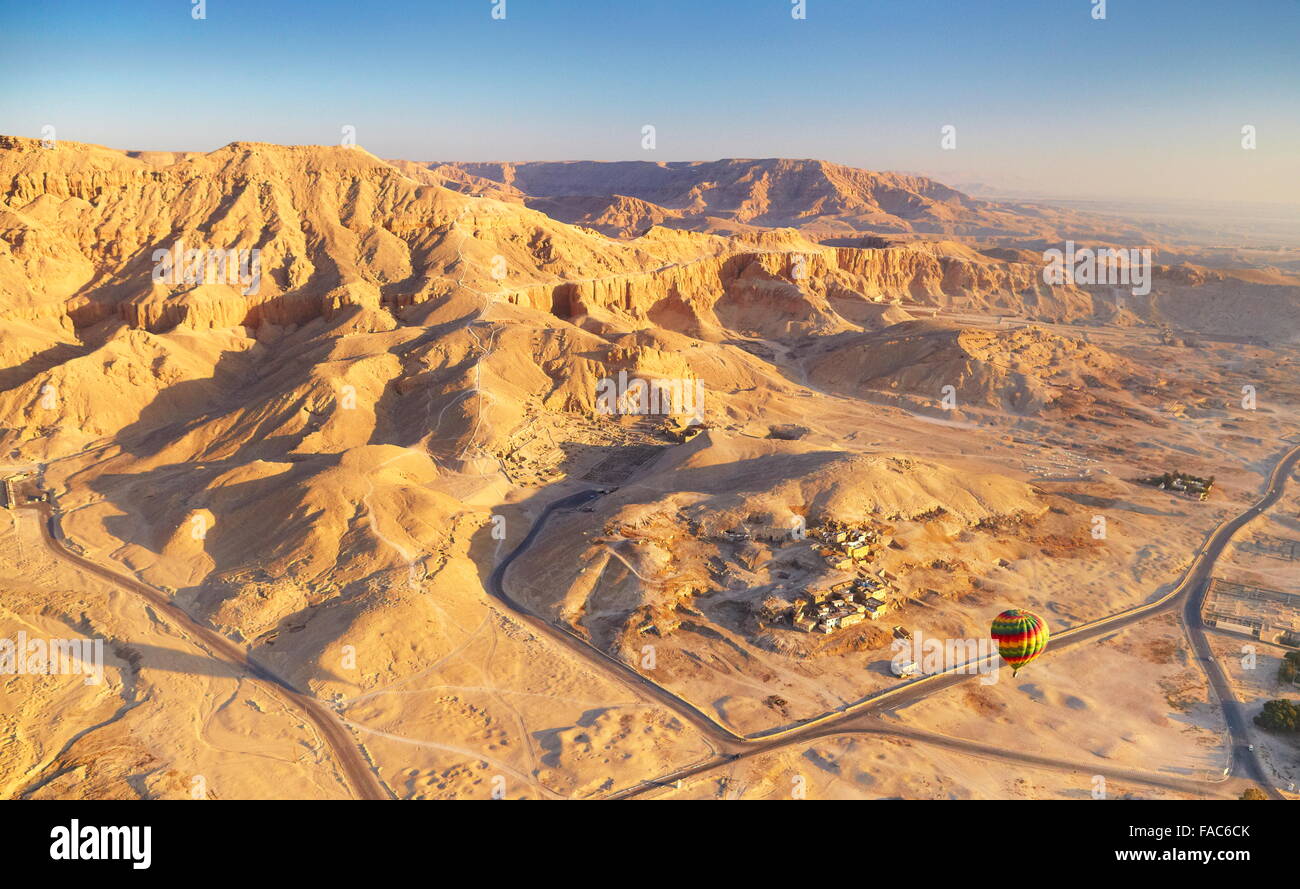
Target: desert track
[
  {"x": 856, "y": 717},
  {"x": 852, "y": 719},
  {"x": 358, "y": 772},
  {"x": 602, "y": 662}
]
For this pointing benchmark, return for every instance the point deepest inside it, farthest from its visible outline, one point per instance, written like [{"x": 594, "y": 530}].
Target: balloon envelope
[{"x": 1021, "y": 636}]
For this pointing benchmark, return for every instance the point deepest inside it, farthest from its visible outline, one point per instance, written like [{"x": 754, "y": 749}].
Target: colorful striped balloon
[{"x": 1021, "y": 636}]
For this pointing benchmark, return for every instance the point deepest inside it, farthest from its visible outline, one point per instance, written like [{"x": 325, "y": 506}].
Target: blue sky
[{"x": 1148, "y": 103}]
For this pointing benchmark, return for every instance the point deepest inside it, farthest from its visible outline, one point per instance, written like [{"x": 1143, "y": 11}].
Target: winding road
[
  {"x": 1243, "y": 754},
  {"x": 857, "y": 718},
  {"x": 610, "y": 666},
  {"x": 356, "y": 769},
  {"x": 860, "y": 717}
]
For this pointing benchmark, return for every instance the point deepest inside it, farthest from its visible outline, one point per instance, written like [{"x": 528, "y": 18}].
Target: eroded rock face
[
  {"x": 333, "y": 227},
  {"x": 418, "y": 369},
  {"x": 735, "y": 193},
  {"x": 337, "y": 228}
]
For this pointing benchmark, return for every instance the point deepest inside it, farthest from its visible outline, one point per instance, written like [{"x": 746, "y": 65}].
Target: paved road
[
  {"x": 356, "y": 769},
  {"x": 858, "y": 716},
  {"x": 1243, "y": 757},
  {"x": 1195, "y": 578},
  {"x": 855, "y": 718},
  {"x": 611, "y": 667},
  {"x": 873, "y": 726}
]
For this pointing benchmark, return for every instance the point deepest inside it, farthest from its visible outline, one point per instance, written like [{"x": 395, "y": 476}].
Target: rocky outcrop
[
  {"x": 768, "y": 192},
  {"x": 793, "y": 286},
  {"x": 335, "y": 228},
  {"x": 331, "y": 226}
]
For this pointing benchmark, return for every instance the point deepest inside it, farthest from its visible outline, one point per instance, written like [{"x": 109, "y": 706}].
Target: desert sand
[{"x": 328, "y": 467}]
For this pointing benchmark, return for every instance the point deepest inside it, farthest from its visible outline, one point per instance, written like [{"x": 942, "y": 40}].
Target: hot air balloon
[{"x": 1021, "y": 636}]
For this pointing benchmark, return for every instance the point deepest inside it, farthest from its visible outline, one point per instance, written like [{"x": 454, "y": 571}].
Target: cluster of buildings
[
  {"x": 825, "y": 609},
  {"x": 845, "y": 547},
  {"x": 1183, "y": 483},
  {"x": 840, "y": 607},
  {"x": 1268, "y": 615}
]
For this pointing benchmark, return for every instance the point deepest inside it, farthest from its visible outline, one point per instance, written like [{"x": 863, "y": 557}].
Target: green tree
[
  {"x": 1286, "y": 672},
  {"x": 1289, "y": 667},
  {"x": 1279, "y": 716}
]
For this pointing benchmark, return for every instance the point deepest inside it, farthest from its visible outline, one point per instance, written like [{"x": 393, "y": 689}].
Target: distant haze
[{"x": 1148, "y": 104}]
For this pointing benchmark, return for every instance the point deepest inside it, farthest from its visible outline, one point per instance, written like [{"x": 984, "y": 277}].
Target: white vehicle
[{"x": 903, "y": 671}]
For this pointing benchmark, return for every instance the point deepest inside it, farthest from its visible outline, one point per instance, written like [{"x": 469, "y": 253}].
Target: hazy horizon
[
  {"x": 412, "y": 402},
  {"x": 1170, "y": 86}
]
